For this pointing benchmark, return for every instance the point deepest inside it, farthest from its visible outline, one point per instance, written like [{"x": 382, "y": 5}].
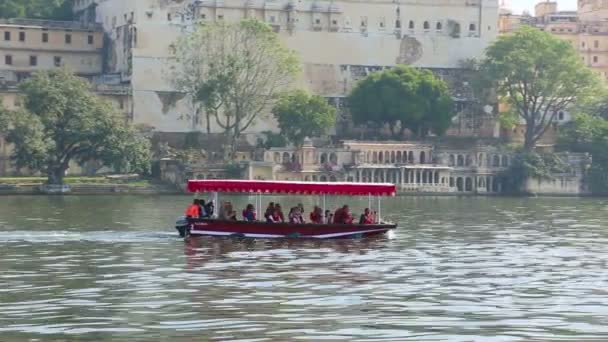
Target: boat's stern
[{"x": 182, "y": 226}]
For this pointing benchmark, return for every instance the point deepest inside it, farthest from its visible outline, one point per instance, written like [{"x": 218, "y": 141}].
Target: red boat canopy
[{"x": 285, "y": 187}]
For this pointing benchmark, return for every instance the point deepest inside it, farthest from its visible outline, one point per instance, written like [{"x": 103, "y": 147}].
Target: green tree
[
  {"x": 270, "y": 140},
  {"x": 64, "y": 121},
  {"x": 301, "y": 115},
  {"x": 588, "y": 132},
  {"x": 36, "y": 9},
  {"x": 403, "y": 98},
  {"x": 538, "y": 75},
  {"x": 233, "y": 72}
]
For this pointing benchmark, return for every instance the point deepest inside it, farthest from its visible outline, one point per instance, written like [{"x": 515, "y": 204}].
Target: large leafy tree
[
  {"x": 36, "y": 9},
  {"x": 403, "y": 98},
  {"x": 538, "y": 75},
  {"x": 301, "y": 115},
  {"x": 233, "y": 72},
  {"x": 63, "y": 121}
]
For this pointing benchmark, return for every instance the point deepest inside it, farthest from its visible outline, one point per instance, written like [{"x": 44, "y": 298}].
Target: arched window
[
  {"x": 323, "y": 179},
  {"x": 436, "y": 180},
  {"x": 393, "y": 157},
  {"x": 380, "y": 157},
  {"x": 333, "y": 158},
  {"x": 369, "y": 157},
  {"x": 387, "y": 157},
  {"x": 505, "y": 161},
  {"x": 410, "y": 157},
  {"x": 286, "y": 158},
  {"x": 375, "y": 158},
  {"x": 460, "y": 184},
  {"x": 411, "y": 25},
  {"x": 460, "y": 160},
  {"x": 323, "y": 158},
  {"x": 496, "y": 161},
  {"x": 314, "y": 178},
  {"x": 426, "y": 25},
  {"x": 307, "y": 178},
  {"x": 404, "y": 157},
  {"x": 452, "y": 160},
  {"x": 468, "y": 184},
  {"x": 439, "y": 26},
  {"x": 200, "y": 176},
  {"x": 472, "y": 27},
  {"x": 468, "y": 160},
  {"x": 480, "y": 159},
  {"x": 422, "y": 157},
  {"x": 333, "y": 179},
  {"x": 277, "y": 157},
  {"x": 451, "y": 182},
  {"x": 399, "y": 157}
]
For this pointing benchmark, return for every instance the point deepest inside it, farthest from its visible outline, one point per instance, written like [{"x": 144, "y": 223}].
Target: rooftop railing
[{"x": 51, "y": 24}]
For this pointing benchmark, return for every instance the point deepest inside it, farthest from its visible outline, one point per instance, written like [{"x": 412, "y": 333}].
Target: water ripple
[{"x": 457, "y": 270}]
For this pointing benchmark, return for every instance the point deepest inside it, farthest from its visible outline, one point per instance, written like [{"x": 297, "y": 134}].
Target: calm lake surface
[{"x": 458, "y": 269}]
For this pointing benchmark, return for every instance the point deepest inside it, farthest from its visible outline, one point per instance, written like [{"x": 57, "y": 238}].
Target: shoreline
[{"x": 156, "y": 190}]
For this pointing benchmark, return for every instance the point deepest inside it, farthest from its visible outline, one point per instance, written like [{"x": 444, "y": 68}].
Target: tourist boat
[{"x": 216, "y": 227}]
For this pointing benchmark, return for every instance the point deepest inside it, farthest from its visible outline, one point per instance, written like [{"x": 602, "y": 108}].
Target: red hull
[{"x": 285, "y": 230}]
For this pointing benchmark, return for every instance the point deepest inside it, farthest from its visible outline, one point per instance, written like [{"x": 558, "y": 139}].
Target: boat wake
[{"x": 107, "y": 236}]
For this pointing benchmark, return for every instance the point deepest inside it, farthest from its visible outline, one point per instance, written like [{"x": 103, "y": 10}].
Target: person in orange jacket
[{"x": 194, "y": 211}]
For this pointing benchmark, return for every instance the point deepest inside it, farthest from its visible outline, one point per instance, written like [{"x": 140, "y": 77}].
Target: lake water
[{"x": 457, "y": 269}]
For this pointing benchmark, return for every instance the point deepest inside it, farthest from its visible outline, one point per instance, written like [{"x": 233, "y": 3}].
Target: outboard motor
[{"x": 183, "y": 226}]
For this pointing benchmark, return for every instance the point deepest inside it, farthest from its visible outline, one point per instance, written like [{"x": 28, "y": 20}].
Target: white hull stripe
[{"x": 253, "y": 235}]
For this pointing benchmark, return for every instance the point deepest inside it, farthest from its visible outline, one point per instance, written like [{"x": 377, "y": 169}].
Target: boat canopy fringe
[{"x": 287, "y": 187}]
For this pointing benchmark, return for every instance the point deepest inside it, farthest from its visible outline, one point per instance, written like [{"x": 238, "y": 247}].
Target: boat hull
[{"x": 208, "y": 227}]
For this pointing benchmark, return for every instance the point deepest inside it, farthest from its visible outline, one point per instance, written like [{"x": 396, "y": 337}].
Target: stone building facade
[
  {"x": 27, "y": 46},
  {"x": 414, "y": 167},
  {"x": 586, "y": 29},
  {"x": 339, "y": 42}
]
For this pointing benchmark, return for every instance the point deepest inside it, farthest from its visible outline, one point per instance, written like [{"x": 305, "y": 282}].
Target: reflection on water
[{"x": 460, "y": 269}]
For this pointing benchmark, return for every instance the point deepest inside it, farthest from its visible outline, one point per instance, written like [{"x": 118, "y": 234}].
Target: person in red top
[
  {"x": 316, "y": 216},
  {"x": 367, "y": 217},
  {"x": 342, "y": 216},
  {"x": 278, "y": 213},
  {"x": 193, "y": 211}
]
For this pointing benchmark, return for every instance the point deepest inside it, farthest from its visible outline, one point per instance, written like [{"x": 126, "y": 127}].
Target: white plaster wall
[
  {"x": 325, "y": 54},
  {"x": 559, "y": 185}
]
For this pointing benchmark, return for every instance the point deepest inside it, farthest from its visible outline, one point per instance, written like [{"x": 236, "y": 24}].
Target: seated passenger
[
  {"x": 342, "y": 216},
  {"x": 268, "y": 215},
  {"x": 295, "y": 216},
  {"x": 328, "y": 217},
  {"x": 201, "y": 206},
  {"x": 278, "y": 214},
  {"x": 230, "y": 213},
  {"x": 316, "y": 215},
  {"x": 249, "y": 213},
  {"x": 209, "y": 209},
  {"x": 367, "y": 217},
  {"x": 193, "y": 210}
]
